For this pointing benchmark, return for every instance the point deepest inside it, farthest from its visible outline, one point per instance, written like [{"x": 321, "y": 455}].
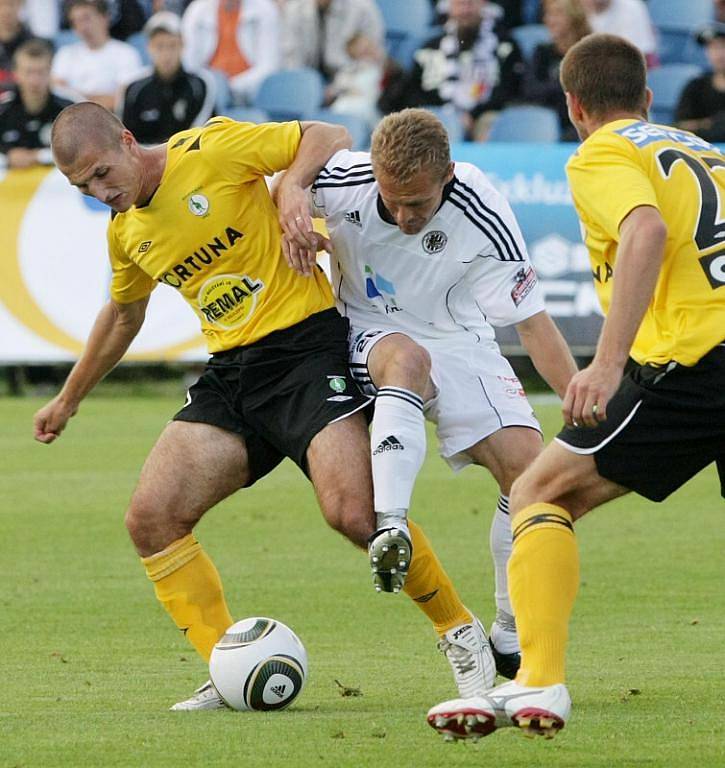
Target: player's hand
[
  {"x": 588, "y": 393},
  {"x": 51, "y": 420},
  {"x": 303, "y": 260},
  {"x": 294, "y": 215}
]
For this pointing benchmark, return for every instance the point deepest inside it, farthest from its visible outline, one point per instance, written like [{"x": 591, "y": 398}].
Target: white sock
[
  {"x": 500, "y": 542},
  {"x": 397, "y": 444}
]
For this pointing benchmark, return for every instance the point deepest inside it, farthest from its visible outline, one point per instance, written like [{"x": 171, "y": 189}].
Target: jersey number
[{"x": 710, "y": 229}]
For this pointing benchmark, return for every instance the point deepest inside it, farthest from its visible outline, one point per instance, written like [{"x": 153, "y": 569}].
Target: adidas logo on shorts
[{"x": 390, "y": 443}]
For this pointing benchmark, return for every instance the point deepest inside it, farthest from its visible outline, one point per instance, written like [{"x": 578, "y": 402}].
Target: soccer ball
[{"x": 260, "y": 664}]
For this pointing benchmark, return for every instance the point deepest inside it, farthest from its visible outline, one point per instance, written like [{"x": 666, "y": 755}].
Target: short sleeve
[
  {"x": 607, "y": 182},
  {"x": 248, "y": 151},
  {"x": 506, "y": 292},
  {"x": 341, "y": 182},
  {"x": 129, "y": 282}
]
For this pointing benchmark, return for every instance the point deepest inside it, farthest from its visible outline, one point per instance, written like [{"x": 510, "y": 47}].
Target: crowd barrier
[{"x": 54, "y": 272}]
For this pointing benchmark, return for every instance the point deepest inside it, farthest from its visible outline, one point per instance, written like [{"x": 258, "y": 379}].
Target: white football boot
[
  {"x": 467, "y": 649},
  {"x": 205, "y": 697},
  {"x": 537, "y": 711},
  {"x": 390, "y": 551}
]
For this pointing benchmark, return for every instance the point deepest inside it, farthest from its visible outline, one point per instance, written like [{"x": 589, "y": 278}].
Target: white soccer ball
[{"x": 259, "y": 663}]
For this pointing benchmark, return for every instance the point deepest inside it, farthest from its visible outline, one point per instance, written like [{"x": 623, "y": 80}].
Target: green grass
[{"x": 90, "y": 663}]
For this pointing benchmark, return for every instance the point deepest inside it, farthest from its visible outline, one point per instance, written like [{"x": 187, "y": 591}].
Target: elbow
[{"x": 343, "y": 138}]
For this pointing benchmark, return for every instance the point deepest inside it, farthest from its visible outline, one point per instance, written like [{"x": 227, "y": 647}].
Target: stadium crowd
[{"x": 165, "y": 65}]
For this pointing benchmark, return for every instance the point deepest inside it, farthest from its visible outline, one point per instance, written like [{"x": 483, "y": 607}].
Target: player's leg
[
  {"x": 191, "y": 468},
  {"x": 543, "y": 581},
  {"x": 506, "y": 454},
  {"x": 397, "y": 370},
  {"x": 338, "y": 461}
]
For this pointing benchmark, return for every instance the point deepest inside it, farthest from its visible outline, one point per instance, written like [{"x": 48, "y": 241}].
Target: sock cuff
[
  {"x": 175, "y": 556},
  {"x": 541, "y": 516},
  {"x": 400, "y": 394},
  {"x": 503, "y": 504}
]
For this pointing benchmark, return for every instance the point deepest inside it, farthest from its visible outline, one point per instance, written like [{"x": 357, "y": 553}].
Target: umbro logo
[
  {"x": 390, "y": 443},
  {"x": 279, "y": 690},
  {"x": 144, "y": 246},
  {"x": 354, "y": 218}
]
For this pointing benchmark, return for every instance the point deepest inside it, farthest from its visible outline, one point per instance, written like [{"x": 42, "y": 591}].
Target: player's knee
[
  {"x": 408, "y": 365},
  {"x": 525, "y": 490},
  {"x": 351, "y": 520},
  {"x": 149, "y": 529}
]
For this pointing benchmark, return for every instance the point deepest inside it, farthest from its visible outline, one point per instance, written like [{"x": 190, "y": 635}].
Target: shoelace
[{"x": 462, "y": 659}]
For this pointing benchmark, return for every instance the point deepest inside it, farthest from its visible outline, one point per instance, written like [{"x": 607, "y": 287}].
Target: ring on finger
[{"x": 595, "y": 409}]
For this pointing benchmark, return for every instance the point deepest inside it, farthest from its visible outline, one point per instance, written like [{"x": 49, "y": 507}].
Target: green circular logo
[{"x": 338, "y": 384}]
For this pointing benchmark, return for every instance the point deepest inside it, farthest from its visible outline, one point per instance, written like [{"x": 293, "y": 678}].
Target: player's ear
[
  {"x": 450, "y": 172},
  {"x": 574, "y": 107},
  {"x": 648, "y": 97}
]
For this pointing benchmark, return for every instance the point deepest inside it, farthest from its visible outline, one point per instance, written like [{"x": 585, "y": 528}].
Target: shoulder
[
  {"x": 346, "y": 169},
  {"x": 8, "y": 102},
  {"x": 144, "y": 78},
  {"x": 472, "y": 190}
]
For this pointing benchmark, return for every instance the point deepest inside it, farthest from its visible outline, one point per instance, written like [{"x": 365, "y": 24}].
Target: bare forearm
[
  {"x": 112, "y": 334},
  {"x": 639, "y": 260},
  {"x": 548, "y": 351}
]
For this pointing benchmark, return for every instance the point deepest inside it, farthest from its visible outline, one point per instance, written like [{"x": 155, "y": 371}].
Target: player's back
[{"x": 629, "y": 163}]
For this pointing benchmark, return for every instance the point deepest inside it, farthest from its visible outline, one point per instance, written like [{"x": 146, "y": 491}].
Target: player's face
[
  {"x": 414, "y": 203},
  {"x": 113, "y": 176}
]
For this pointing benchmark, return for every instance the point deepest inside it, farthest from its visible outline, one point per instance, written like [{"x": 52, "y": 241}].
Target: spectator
[
  {"x": 356, "y": 86},
  {"x": 28, "y": 111},
  {"x": 627, "y": 18},
  {"x": 13, "y": 33},
  {"x": 241, "y": 39},
  {"x": 316, "y": 32},
  {"x": 96, "y": 66},
  {"x": 473, "y": 65},
  {"x": 126, "y": 17},
  {"x": 567, "y": 24},
  {"x": 701, "y": 107},
  {"x": 167, "y": 99},
  {"x": 719, "y": 10},
  {"x": 511, "y": 13},
  {"x": 42, "y": 17}
]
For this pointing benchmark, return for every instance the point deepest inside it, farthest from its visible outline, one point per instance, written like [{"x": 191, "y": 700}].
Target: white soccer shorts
[{"x": 477, "y": 391}]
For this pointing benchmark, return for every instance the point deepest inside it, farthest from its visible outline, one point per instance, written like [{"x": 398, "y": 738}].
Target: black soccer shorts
[
  {"x": 664, "y": 424},
  {"x": 280, "y": 391}
]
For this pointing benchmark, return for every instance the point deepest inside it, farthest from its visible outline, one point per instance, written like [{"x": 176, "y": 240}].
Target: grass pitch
[{"x": 90, "y": 663}]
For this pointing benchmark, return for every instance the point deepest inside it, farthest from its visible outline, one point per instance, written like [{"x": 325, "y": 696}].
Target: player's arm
[
  {"x": 113, "y": 331},
  {"x": 548, "y": 350},
  {"x": 319, "y": 143},
  {"x": 641, "y": 249}
]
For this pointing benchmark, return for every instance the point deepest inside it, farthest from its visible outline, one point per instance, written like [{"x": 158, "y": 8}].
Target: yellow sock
[
  {"x": 428, "y": 584},
  {"x": 188, "y": 586},
  {"x": 543, "y": 575}
]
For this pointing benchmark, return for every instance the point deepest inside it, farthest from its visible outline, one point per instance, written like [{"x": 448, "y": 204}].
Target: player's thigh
[
  {"x": 559, "y": 476},
  {"x": 338, "y": 461},
  {"x": 507, "y": 453},
  {"x": 478, "y": 396},
  {"x": 192, "y": 467}
]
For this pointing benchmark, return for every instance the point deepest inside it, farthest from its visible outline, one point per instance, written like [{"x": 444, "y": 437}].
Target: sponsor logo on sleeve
[{"x": 524, "y": 281}]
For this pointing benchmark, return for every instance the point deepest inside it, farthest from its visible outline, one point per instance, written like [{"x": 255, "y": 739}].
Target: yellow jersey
[
  {"x": 628, "y": 163},
  {"x": 210, "y": 231}
]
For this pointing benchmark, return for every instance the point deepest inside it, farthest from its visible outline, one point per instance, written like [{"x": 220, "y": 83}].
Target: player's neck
[{"x": 154, "y": 165}]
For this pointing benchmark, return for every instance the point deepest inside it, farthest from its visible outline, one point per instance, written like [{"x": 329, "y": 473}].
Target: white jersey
[{"x": 468, "y": 270}]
